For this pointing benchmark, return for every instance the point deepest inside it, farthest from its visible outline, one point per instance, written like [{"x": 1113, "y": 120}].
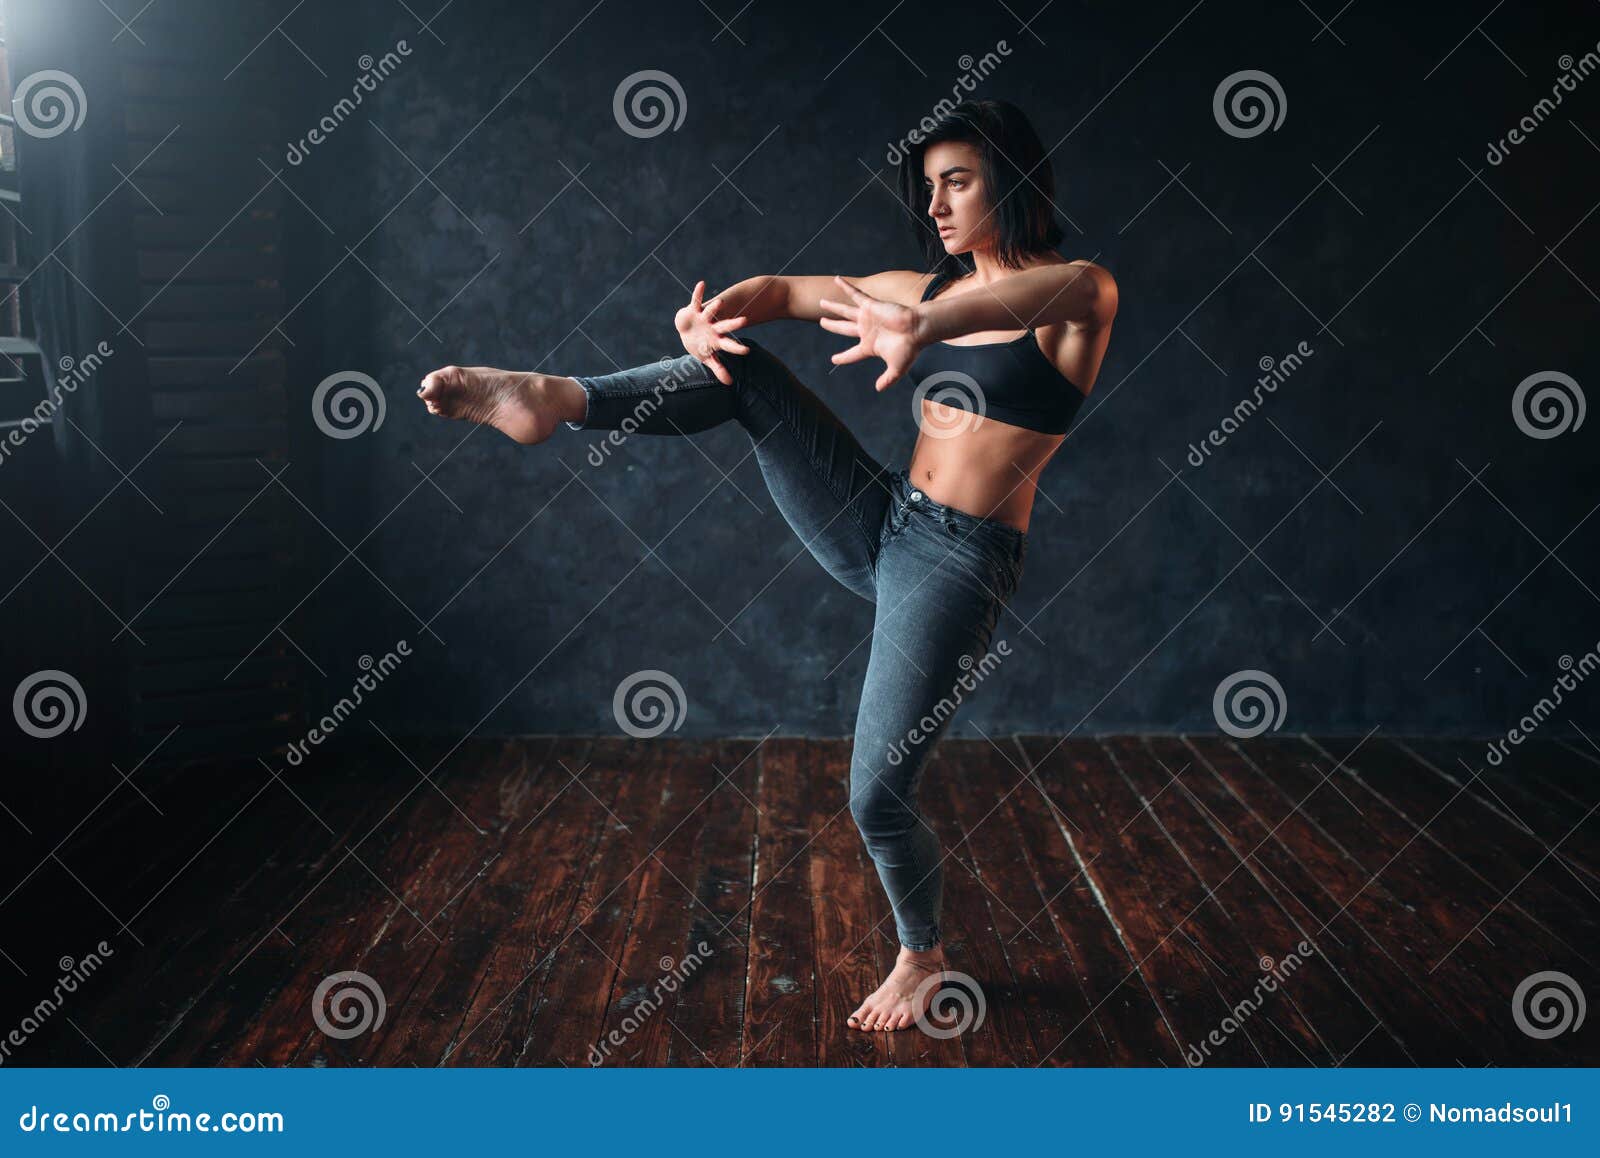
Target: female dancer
[{"x": 937, "y": 546}]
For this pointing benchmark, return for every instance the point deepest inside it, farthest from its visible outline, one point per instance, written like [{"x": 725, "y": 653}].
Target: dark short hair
[{"x": 1016, "y": 177}]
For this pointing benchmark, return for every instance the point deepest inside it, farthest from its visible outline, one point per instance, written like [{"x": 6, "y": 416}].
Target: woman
[{"x": 938, "y": 546}]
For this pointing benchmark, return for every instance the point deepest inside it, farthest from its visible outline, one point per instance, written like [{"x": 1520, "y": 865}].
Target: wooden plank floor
[{"x": 572, "y": 901}]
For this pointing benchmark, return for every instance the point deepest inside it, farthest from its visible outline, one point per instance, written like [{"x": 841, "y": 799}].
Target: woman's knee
[{"x": 880, "y": 802}]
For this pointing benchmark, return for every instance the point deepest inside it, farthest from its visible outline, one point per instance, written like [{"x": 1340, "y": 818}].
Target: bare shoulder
[
  {"x": 904, "y": 286},
  {"x": 1077, "y": 349},
  {"x": 1106, "y": 285}
]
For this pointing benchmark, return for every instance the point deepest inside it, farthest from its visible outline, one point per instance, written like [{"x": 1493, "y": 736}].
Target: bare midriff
[{"x": 990, "y": 469}]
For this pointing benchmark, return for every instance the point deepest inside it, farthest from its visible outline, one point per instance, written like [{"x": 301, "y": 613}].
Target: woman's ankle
[{"x": 569, "y": 399}]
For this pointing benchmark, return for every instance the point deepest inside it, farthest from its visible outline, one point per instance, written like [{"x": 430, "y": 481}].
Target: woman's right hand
[{"x": 703, "y": 335}]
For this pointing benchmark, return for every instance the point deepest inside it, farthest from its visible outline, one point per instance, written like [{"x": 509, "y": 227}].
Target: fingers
[
  {"x": 853, "y": 354},
  {"x": 855, "y": 294},
  {"x": 727, "y": 324},
  {"x": 844, "y": 308},
  {"x": 840, "y": 326},
  {"x": 734, "y": 346},
  {"x": 886, "y": 379},
  {"x": 711, "y": 309},
  {"x": 694, "y": 298},
  {"x": 718, "y": 369}
]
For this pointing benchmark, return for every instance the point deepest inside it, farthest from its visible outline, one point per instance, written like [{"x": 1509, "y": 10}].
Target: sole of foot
[{"x": 525, "y": 407}]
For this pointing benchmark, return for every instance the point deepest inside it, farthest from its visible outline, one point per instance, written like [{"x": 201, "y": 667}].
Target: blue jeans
[{"x": 939, "y": 578}]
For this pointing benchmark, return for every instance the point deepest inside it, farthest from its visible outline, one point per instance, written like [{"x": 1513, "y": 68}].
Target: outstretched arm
[
  {"x": 768, "y": 297},
  {"x": 1079, "y": 292}
]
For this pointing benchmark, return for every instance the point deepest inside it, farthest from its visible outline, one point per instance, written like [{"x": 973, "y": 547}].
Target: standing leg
[{"x": 939, "y": 601}]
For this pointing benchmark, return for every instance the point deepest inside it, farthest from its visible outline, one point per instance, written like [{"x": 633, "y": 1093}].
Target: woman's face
[{"x": 956, "y": 197}]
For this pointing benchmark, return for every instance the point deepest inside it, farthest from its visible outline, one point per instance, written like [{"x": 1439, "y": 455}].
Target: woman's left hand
[{"x": 882, "y": 329}]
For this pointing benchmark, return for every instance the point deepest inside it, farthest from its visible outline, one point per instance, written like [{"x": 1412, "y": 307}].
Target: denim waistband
[{"x": 902, "y": 491}]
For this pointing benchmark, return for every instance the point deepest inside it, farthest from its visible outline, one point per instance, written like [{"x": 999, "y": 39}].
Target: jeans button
[{"x": 916, "y": 496}]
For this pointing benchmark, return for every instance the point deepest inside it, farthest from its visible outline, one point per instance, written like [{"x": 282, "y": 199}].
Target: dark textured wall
[{"x": 1378, "y": 537}]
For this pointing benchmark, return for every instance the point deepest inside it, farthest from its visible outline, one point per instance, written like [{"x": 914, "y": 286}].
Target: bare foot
[
  {"x": 524, "y": 406},
  {"x": 903, "y": 998}
]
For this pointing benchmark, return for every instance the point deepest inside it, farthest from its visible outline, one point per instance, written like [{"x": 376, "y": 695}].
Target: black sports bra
[{"x": 1015, "y": 382}]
